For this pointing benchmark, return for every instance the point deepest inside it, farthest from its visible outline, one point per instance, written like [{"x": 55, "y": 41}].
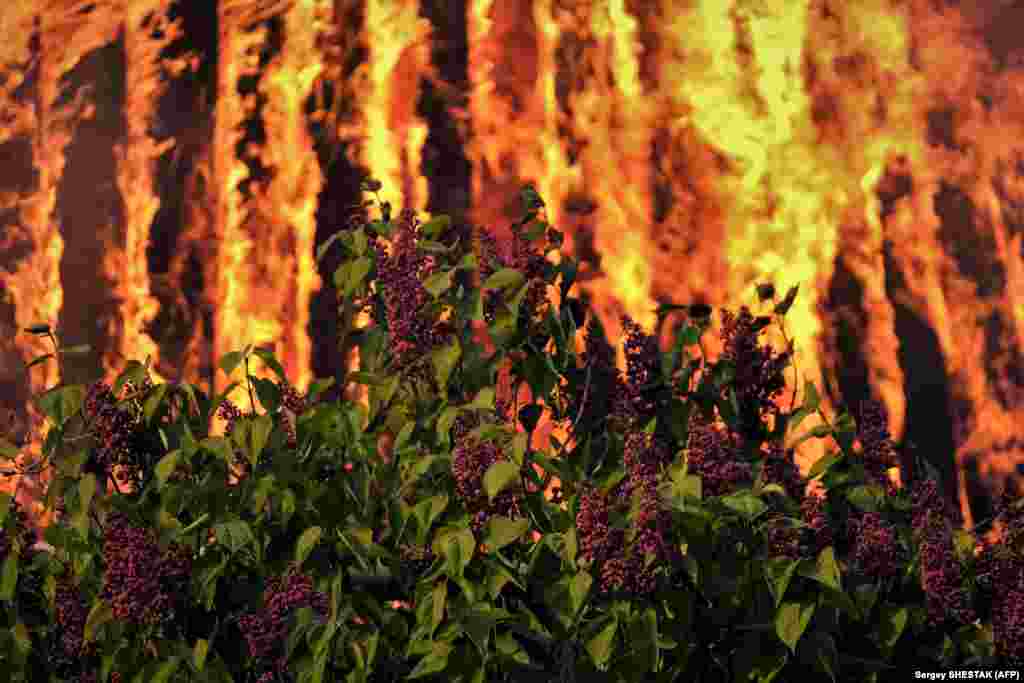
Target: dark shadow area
[
  {"x": 929, "y": 419},
  {"x": 89, "y": 208}
]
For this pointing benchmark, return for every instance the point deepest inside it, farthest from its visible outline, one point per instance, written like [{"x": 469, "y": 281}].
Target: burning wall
[{"x": 169, "y": 167}]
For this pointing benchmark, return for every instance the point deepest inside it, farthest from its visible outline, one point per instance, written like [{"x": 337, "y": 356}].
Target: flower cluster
[
  {"x": 783, "y": 538},
  {"x": 297, "y": 404},
  {"x": 645, "y": 457},
  {"x": 267, "y": 629},
  {"x": 940, "y": 570},
  {"x": 413, "y": 331},
  {"x": 71, "y": 613},
  {"x": 1000, "y": 571},
  {"x": 625, "y": 565},
  {"x": 779, "y": 467},
  {"x": 595, "y": 536},
  {"x": 875, "y": 551},
  {"x": 878, "y": 452},
  {"x": 601, "y": 543},
  {"x": 599, "y": 381},
  {"x": 712, "y": 454},
  {"x": 229, "y": 412},
  {"x": 638, "y": 394},
  {"x": 628, "y": 573},
  {"x": 471, "y": 459},
  {"x": 521, "y": 257},
  {"x": 115, "y": 431},
  {"x": 141, "y": 581},
  {"x": 759, "y": 370},
  {"x": 819, "y": 531}
]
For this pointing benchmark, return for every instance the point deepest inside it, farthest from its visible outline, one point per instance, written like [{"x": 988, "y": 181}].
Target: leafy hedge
[{"x": 423, "y": 538}]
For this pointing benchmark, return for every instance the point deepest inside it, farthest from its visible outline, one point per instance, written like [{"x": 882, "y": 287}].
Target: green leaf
[
  {"x": 433, "y": 247},
  {"x": 199, "y": 651},
  {"x": 166, "y": 466},
  {"x": 506, "y": 278},
  {"x": 520, "y": 442},
  {"x": 600, "y": 645},
  {"x": 436, "y": 225},
  {"x": 153, "y": 401},
  {"x": 446, "y": 420},
  {"x": 501, "y": 531},
  {"x": 10, "y": 577},
  {"x": 251, "y": 435},
  {"x": 403, "y": 436},
  {"x": 823, "y": 463},
  {"x": 165, "y": 670},
  {"x": 230, "y": 360},
  {"x": 825, "y": 569},
  {"x": 356, "y": 274},
  {"x": 5, "y": 506},
  {"x": 484, "y": 399},
  {"x": 500, "y": 476},
  {"x": 456, "y": 546},
  {"x": 440, "y": 597},
  {"x": 86, "y": 489},
  {"x": 578, "y": 589},
  {"x": 791, "y": 621},
  {"x": 811, "y": 398},
  {"x": 8, "y": 451},
  {"x": 100, "y": 614},
  {"x": 307, "y": 541},
  {"x": 60, "y": 403},
  {"x": 39, "y": 359},
  {"x": 778, "y": 571},
  {"x": 746, "y": 504},
  {"x": 438, "y": 283},
  {"x": 818, "y": 432},
  {"x": 433, "y": 663},
  {"x": 268, "y": 357},
  {"x": 426, "y": 511},
  {"x": 234, "y": 535},
  {"x": 893, "y": 619},
  {"x": 22, "y": 639},
  {"x": 287, "y": 505},
  {"x": 444, "y": 360},
  {"x": 866, "y": 497},
  {"x": 963, "y": 544}
]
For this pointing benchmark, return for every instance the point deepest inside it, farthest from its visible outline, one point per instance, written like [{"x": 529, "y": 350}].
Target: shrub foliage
[{"x": 421, "y": 536}]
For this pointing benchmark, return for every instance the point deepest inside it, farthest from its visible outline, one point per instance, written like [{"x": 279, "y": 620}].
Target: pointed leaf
[
  {"x": 500, "y": 476},
  {"x": 438, "y": 283},
  {"x": 893, "y": 619},
  {"x": 440, "y": 597},
  {"x": 501, "y": 531},
  {"x": 778, "y": 572},
  {"x": 199, "y": 651},
  {"x": 307, "y": 541},
  {"x": 791, "y": 621},
  {"x": 100, "y": 614},
  {"x": 506, "y": 278},
  {"x": 600, "y": 645},
  {"x": 824, "y": 570},
  {"x": 165, "y": 466},
  {"x": 579, "y": 588},
  {"x": 444, "y": 360}
]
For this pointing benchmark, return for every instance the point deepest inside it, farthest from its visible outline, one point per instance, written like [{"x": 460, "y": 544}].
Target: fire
[{"x": 864, "y": 151}]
